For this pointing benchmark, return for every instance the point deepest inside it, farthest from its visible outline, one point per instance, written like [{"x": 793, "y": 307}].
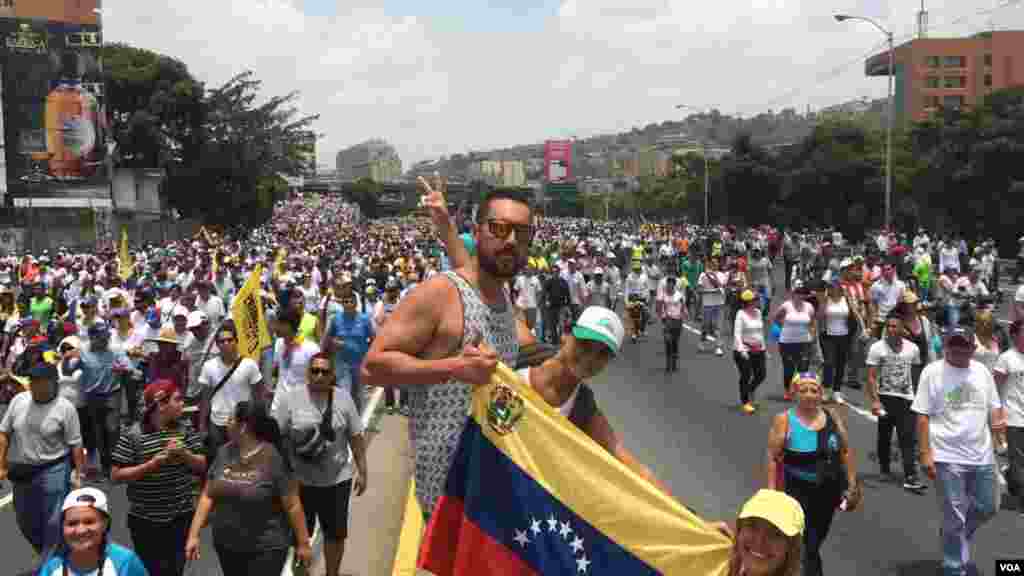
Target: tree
[
  {"x": 365, "y": 192},
  {"x": 242, "y": 144},
  {"x": 155, "y": 107}
]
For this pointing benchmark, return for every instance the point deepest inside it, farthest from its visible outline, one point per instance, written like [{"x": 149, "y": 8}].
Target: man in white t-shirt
[
  {"x": 1009, "y": 376},
  {"x": 292, "y": 354},
  {"x": 958, "y": 408},
  {"x": 245, "y": 384},
  {"x": 891, "y": 390},
  {"x": 527, "y": 287}
]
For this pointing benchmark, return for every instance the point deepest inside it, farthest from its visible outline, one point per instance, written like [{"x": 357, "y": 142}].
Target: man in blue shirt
[
  {"x": 102, "y": 370},
  {"x": 348, "y": 336}
]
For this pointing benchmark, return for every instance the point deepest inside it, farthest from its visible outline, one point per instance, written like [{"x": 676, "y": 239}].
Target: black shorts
[{"x": 330, "y": 505}]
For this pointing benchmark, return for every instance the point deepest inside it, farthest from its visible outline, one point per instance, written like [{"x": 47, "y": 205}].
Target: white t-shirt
[
  {"x": 292, "y": 370},
  {"x": 894, "y": 375},
  {"x": 1011, "y": 364},
  {"x": 237, "y": 389},
  {"x": 526, "y": 291},
  {"x": 959, "y": 403}
]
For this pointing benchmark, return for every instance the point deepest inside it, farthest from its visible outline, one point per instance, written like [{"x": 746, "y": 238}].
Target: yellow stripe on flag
[
  {"x": 247, "y": 312},
  {"x": 410, "y": 536},
  {"x": 606, "y": 493}
]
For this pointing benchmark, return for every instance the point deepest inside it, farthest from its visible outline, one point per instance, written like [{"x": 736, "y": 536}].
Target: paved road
[{"x": 687, "y": 427}]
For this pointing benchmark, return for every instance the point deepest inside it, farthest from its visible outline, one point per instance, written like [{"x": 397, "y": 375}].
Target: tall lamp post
[
  {"x": 890, "y": 121},
  {"x": 707, "y": 172}
]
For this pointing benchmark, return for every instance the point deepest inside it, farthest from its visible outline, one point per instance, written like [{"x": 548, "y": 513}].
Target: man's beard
[{"x": 490, "y": 264}]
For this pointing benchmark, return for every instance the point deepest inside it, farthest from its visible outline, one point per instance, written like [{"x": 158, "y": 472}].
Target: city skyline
[{"x": 450, "y": 77}]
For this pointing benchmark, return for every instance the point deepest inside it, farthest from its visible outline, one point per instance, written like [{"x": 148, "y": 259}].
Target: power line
[{"x": 838, "y": 70}]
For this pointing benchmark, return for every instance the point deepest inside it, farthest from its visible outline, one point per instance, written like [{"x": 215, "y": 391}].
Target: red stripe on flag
[{"x": 455, "y": 546}]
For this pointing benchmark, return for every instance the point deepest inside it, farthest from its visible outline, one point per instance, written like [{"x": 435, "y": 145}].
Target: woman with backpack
[{"x": 810, "y": 458}]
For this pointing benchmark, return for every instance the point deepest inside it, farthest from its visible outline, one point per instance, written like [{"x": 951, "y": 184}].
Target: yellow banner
[
  {"x": 126, "y": 266},
  {"x": 279, "y": 263},
  {"x": 247, "y": 312}
]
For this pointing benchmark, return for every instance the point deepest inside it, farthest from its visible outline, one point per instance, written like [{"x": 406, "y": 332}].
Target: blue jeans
[
  {"x": 711, "y": 322},
  {"x": 37, "y": 506},
  {"x": 967, "y": 500}
]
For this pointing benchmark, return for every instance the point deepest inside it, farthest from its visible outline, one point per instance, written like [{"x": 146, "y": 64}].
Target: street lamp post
[
  {"x": 890, "y": 120},
  {"x": 707, "y": 173}
]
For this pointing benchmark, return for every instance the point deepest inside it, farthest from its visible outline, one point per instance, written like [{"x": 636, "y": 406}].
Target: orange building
[
  {"x": 951, "y": 72},
  {"x": 70, "y": 11}
]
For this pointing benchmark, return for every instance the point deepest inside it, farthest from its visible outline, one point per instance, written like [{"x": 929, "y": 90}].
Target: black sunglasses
[
  {"x": 319, "y": 371},
  {"x": 501, "y": 230}
]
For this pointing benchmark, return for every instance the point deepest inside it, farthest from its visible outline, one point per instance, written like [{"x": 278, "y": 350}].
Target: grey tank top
[{"x": 439, "y": 412}]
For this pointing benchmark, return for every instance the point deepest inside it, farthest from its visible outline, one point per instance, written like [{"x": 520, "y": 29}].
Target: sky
[{"x": 446, "y": 77}]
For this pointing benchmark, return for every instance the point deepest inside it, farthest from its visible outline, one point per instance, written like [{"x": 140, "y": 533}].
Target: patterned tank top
[{"x": 439, "y": 412}]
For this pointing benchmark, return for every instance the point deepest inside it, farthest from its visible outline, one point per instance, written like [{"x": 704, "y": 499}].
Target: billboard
[
  {"x": 558, "y": 161},
  {"x": 79, "y": 11},
  {"x": 52, "y": 108}
]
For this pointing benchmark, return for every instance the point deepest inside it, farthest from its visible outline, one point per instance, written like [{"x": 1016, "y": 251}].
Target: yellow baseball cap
[
  {"x": 779, "y": 508},
  {"x": 747, "y": 296}
]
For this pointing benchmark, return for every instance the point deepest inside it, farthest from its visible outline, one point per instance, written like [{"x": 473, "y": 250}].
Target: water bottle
[{"x": 774, "y": 333}]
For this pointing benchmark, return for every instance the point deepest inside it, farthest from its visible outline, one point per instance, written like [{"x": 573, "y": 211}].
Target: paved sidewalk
[{"x": 375, "y": 518}]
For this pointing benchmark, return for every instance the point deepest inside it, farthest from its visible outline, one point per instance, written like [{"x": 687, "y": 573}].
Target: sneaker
[
  {"x": 837, "y": 397},
  {"x": 748, "y": 408},
  {"x": 719, "y": 351},
  {"x": 912, "y": 484}
]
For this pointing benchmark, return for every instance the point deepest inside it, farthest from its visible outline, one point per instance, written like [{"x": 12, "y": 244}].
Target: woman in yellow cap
[
  {"x": 749, "y": 348},
  {"x": 768, "y": 536}
]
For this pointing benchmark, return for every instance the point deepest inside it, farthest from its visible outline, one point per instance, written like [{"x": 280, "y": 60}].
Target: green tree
[
  {"x": 242, "y": 144},
  {"x": 155, "y": 107}
]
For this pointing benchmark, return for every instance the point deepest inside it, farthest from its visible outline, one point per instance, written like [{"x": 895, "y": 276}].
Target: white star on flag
[
  {"x": 565, "y": 531},
  {"x": 534, "y": 526},
  {"x": 577, "y": 544},
  {"x": 582, "y": 564},
  {"x": 552, "y": 523},
  {"x": 521, "y": 538}
]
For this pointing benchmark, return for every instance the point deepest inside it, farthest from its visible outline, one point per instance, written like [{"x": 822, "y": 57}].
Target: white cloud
[{"x": 596, "y": 66}]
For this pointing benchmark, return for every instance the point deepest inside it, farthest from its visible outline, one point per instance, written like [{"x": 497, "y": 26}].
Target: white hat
[
  {"x": 86, "y": 498},
  {"x": 180, "y": 310},
  {"x": 196, "y": 318},
  {"x": 598, "y": 270},
  {"x": 600, "y": 324}
]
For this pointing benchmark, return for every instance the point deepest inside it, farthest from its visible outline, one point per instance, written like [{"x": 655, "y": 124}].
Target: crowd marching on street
[{"x": 131, "y": 366}]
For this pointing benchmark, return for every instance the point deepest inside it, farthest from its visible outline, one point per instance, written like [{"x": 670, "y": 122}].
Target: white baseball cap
[
  {"x": 196, "y": 318},
  {"x": 86, "y": 498},
  {"x": 600, "y": 324}
]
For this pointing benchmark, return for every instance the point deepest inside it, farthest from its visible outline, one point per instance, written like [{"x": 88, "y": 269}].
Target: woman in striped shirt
[{"x": 160, "y": 459}]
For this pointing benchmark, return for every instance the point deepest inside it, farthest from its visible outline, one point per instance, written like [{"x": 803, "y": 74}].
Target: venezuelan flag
[{"x": 530, "y": 494}]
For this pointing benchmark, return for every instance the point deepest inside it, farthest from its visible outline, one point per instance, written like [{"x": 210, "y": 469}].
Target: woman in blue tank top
[{"x": 809, "y": 457}]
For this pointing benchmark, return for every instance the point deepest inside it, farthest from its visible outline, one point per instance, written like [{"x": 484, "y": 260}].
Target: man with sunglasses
[
  {"x": 958, "y": 408},
  {"x": 448, "y": 335},
  {"x": 244, "y": 384}
]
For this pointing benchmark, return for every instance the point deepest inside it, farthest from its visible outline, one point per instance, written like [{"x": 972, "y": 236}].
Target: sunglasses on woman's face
[{"x": 319, "y": 371}]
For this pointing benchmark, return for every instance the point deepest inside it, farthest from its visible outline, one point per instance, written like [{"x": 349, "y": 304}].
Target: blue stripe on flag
[{"x": 505, "y": 502}]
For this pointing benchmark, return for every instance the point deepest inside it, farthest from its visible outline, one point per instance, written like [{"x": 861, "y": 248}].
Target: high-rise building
[
  {"x": 934, "y": 73},
  {"x": 374, "y": 159},
  {"x": 307, "y": 139}
]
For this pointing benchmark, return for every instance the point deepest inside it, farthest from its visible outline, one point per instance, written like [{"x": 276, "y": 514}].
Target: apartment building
[{"x": 935, "y": 73}]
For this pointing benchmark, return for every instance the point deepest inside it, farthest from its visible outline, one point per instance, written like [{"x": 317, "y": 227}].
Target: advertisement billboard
[
  {"x": 53, "y": 117},
  {"x": 78, "y": 11},
  {"x": 558, "y": 161}
]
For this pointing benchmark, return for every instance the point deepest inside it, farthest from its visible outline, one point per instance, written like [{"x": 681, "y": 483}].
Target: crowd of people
[{"x": 137, "y": 377}]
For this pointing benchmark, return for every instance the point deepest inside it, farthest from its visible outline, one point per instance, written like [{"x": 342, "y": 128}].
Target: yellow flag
[
  {"x": 279, "y": 263},
  {"x": 215, "y": 266},
  {"x": 247, "y": 312},
  {"x": 126, "y": 265}
]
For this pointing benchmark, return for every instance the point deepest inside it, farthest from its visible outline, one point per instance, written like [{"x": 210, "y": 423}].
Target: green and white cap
[{"x": 600, "y": 324}]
